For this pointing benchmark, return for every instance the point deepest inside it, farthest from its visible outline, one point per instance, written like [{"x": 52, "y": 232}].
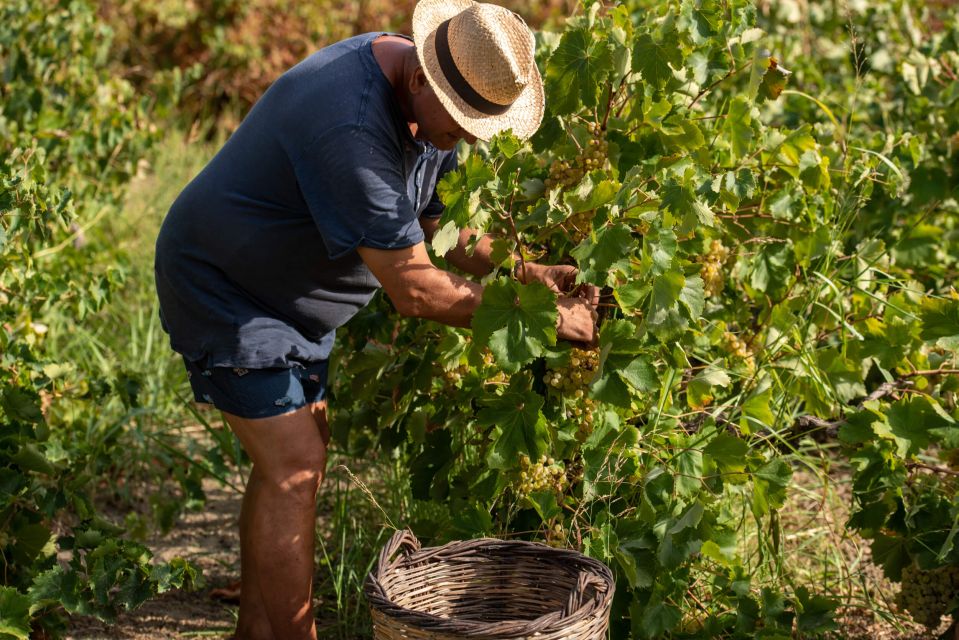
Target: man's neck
[{"x": 397, "y": 58}]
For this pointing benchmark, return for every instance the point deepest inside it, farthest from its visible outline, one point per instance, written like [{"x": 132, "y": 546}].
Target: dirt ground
[{"x": 210, "y": 540}]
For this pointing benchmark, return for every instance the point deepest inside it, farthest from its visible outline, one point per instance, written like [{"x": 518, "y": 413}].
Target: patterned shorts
[{"x": 258, "y": 393}]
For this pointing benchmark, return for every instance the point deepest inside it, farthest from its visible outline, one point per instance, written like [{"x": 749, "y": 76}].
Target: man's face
[{"x": 433, "y": 123}]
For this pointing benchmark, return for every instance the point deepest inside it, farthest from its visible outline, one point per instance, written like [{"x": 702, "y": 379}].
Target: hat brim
[{"x": 524, "y": 115}]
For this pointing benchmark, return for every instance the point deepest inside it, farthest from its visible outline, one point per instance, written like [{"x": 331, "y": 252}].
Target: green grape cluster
[
  {"x": 593, "y": 155},
  {"x": 452, "y": 377},
  {"x": 580, "y": 225},
  {"x": 927, "y": 595},
  {"x": 542, "y": 475},
  {"x": 712, "y": 269},
  {"x": 499, "y": 377},
  {"x": 574, "y": 379},
  {"x": 573, "y": 382},
  {"x": 738, "y": 348},
  {"x": 585, "y": 413},
  {"x": 564, "y": 174},
  {"x": 556, "y": 536}
]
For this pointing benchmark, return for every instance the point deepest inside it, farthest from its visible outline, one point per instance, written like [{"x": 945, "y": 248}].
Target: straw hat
[{"x": 478, "y": 58}]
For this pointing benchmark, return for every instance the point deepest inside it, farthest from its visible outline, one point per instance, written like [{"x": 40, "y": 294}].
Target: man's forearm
[
  {"x": 417, "y": 288},
  {"x": 475, "y": 262},
  {"x": 478, "y": 262},
  {"x": 441, "y": 296}
]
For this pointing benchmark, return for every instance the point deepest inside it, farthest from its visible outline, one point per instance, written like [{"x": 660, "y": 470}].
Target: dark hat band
[{"x": 456, "y": 79}]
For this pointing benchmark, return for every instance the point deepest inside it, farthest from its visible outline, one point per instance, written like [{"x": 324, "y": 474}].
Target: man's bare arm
[
  {"x": 478, "y": 263},
  {"x": 560, "y": 278},
  {"x": 418, "y": 289}
]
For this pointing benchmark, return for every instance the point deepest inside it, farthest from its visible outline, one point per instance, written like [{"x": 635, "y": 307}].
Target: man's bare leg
[
  {"x": 289, "y": 456},
  {"x": 253, "y": 623}
]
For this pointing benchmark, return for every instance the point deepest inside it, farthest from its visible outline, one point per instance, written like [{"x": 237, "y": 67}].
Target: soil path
[{"x": 210, "y": 540}]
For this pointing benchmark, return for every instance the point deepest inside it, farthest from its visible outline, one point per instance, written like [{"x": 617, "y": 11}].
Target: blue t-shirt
[{"x": 256, "y": 262}]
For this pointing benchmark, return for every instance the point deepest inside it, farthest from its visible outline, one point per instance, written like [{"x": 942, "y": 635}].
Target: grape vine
[{"x": 772, "y": 253}]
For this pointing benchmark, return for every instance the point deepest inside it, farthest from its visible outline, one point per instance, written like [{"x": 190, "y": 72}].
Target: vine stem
[
  {"x": 512, "y": 226},
  {"x": 729, "y": 73},
  {"x": 933, "y": 468},
  {"x": 930, "y": 372}
]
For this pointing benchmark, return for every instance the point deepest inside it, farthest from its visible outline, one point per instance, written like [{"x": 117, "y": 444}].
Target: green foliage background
[
  {"x": 72, "y": 134},
  {"x": 827, "y": 168},
  {"x": 817, "y": 142}
]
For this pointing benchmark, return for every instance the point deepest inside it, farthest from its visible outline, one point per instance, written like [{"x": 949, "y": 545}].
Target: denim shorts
[{"x": 258, "y": 393}]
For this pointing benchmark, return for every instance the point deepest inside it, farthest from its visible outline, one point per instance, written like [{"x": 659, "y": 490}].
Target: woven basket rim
[{"x": 590, "y": 569}]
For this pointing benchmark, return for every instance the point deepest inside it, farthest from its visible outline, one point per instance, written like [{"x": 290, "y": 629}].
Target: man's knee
[
  {"x": 287, "y": 451},
  {"x": 299, "y": 478},
  {"x": 298, "y": 468}
]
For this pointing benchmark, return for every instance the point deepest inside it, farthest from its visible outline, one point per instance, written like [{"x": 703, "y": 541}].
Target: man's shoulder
[
  {"x": 336, "y": 88},
  {"x": 350, "y": 59}
]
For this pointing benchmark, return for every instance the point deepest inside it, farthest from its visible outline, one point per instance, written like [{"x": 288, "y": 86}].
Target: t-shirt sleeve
[
  {"x": 435, "y": 207},
  {"x": 355, "y": 189}
]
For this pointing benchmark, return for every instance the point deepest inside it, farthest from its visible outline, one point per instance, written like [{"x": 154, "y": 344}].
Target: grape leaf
[
  {"x": 736, "y": 186},
  {"x": 14, "y": 613},
  {"x": 684, "y": 135},
  {"x": 664, "y": 318},
  {"x": 592, "y": 192},
  {"x": 774, "y": 81},
  {"x": 909, "y": 422},
  {"x": 30, "y": 458},
  {"x": 519, "y": 425},
  {"x": 619, "y": 373},
  {"x": 740, "y": 126},
  {"x": 21, "y": 404},
  {"x": 598, "y": 254},
  {"x": 505, "y": 144},
  {"x": 516, "y": 321},
  {"x": 653, "y": 619},
  {"x": 637, "y": 560},
  {"x": 659, "y": 248},
  {"x": 772, "y": 268},
  {"x": 652, "y": 59},
  {"x": 445, "y": 238},
  {"x": 545, "y": 504},
  {"x": 459, "y": 192},
  {"x": 576, "y": 70},
  {"x": 699, "y": 390},
  {"x": 32, "y": 541},
  {"x": 814, "y": 170},
  {"x": 680, "y": 200},
  {"x": 940, "y": 321},
  {"x": 702, "y": 19},
  {"x": 729, "y": 452},
  {"x": 756, "y": 410},
  {"x": 433, "y": 461},
  {"x": 769, "y": 486},
  {"x": 621, "y": 368},
  {"x": 693, "y": 297}
]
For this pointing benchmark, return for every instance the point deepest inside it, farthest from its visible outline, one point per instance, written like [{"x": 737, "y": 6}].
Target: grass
[
  {"x": 351, "y": 529},
  {"x": 817, "y": 550}
]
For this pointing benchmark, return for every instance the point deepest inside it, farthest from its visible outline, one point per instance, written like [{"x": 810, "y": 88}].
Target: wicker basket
[{"x": 487, "y": 589}]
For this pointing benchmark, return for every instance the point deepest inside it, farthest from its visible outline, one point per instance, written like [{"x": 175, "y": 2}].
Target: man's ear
[{"x": 418, "y": 82}]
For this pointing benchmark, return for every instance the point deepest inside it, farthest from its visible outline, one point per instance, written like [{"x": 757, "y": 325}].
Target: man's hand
[
  {"x": 577, "y": 322},
  {"x": 576, "y": 304},
  {"x": 561, "y": 278}
]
